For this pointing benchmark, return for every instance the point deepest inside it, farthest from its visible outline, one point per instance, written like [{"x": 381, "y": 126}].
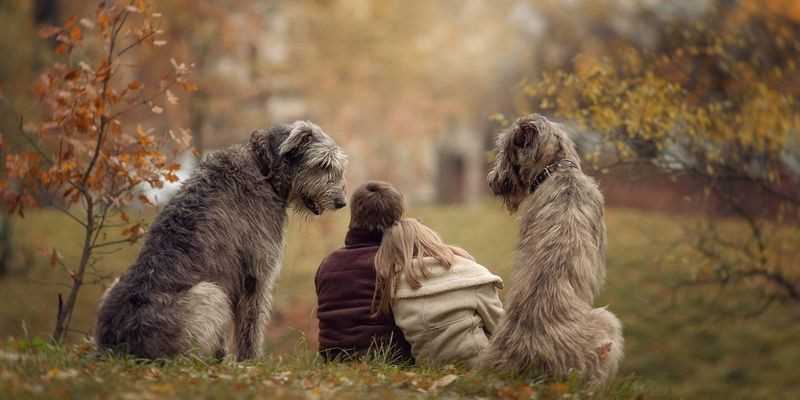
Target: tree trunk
[
  {"x": 5, "y": 243},
  {"x": 65, "y": 310},
  {"x": 198, "y": 107}
]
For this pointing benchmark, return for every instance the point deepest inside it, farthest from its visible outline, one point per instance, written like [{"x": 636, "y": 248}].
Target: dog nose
[{"x": 339, "y": 203}]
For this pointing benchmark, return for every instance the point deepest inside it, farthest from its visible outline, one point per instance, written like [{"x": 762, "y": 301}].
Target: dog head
[
  {"x": 523, "y": 151},
  {"x": 317, "y": 165},
  {"x": 310, "y": 164}
]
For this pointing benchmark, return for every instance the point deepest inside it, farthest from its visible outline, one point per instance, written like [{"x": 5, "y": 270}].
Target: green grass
[
  {"x": 678, "y": 343},
  {"x": 38, "y": 370}
]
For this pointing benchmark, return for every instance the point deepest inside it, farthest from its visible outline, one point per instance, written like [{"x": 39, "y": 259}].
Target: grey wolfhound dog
[
  {"x": 213, "y": 253},
  {"x": 551, "y": 327}
]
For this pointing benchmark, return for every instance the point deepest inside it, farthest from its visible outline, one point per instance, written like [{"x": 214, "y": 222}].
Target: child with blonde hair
[{"x": 446, "y": 304}]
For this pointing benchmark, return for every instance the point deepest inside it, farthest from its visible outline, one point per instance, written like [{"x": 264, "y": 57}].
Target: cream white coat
[{"x": 451, "y": 317}]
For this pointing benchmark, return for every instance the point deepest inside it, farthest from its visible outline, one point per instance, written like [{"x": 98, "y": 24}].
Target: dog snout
[{"x": 339, "y": 202}]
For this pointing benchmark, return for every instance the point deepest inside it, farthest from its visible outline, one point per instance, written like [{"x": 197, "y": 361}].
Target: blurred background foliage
[{"x": 685, "y": 111}]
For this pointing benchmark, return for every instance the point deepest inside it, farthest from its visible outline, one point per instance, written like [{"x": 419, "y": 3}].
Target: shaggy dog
[
  {"x": 550, "y": 326},
  {"x": 214, "y": 252}
]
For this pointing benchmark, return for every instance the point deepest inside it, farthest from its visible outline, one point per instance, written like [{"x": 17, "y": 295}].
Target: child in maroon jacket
[{"x": 345, "y": 282}]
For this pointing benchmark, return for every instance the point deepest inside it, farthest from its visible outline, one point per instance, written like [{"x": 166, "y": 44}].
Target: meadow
[{"x": 681, "y": 342}]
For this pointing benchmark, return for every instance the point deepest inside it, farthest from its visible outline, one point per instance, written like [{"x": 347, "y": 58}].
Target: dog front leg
[{"x": 251, "y": 318}]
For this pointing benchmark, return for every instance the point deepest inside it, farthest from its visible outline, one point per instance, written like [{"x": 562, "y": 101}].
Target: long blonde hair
[{"x": 401, "y": 251}]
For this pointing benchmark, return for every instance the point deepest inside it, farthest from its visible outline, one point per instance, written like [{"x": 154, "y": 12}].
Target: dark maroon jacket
[{"x": 345, "y": 285}]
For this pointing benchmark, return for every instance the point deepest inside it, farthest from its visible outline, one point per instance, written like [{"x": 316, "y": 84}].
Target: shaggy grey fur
[
  {"x": 550, "y": 326},
  {"x": 213, "y": 253}
]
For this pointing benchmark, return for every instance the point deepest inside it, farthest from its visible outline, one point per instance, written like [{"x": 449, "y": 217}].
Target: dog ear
[
  {"x": 299, "y": 137},
  {"x": 262, "y": 148}
]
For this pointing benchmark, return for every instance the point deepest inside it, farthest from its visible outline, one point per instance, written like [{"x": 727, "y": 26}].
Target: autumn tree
[
  {"x": 89, "y": 157},
  {"x": 714, "y": 101}
]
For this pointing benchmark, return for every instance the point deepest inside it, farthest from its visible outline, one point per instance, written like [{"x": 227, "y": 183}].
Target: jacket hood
[{"x": 464, "y": 273}]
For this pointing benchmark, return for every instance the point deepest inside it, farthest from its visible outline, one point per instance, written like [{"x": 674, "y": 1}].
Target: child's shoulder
[{"x": 346, "y": 258}]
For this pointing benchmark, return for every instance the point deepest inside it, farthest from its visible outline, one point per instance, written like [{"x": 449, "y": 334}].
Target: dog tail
[{"x": 557, "y": 340}]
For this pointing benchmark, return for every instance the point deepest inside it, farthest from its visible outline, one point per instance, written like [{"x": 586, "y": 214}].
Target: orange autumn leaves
[{"x": 87, "y": 145}]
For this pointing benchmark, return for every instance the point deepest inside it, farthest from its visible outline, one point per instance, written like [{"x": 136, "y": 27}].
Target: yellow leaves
[
  {"x": 586, "y": 66},
  {"x": 68, "y": 165},
  {"x": 70, "y": 22},
  {"x": 145, "y": 139},
  {"x": 135, "y": 85},
  {"x": 189, "y": 86},
  {"x": 75, "y": 34},
  {"x": 103, "y": 20},
  {"x": 142, "y": 5}
]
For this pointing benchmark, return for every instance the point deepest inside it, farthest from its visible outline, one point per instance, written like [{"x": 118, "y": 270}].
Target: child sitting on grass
[
  {"x": 345, "y": 283},
  {"x": 446, "y": 304}
]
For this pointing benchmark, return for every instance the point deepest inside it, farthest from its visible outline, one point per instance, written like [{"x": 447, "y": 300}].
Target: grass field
[{"x": 678, "y": 343}]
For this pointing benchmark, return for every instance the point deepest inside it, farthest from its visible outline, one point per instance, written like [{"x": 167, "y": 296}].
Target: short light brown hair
[{"x": 376, "y": 206}]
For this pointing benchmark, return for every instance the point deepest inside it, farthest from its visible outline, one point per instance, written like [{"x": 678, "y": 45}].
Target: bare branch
[
  {"x": 103, "y": 119},
  {"x": 137, "y": 42},
  {"x": 143, "y": 101},
  {"x": 69, "y": 214},
  {"x": 113, "y": 243}
]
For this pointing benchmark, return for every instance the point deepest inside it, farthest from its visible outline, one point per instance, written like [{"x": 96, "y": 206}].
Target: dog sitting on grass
[
  {"x": 551, "y": 327},
  {"x": 213, "y": 253}
]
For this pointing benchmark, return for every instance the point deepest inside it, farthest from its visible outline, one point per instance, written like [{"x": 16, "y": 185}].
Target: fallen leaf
[
  {"x": 157, "y": 110},
  {"x": 443, "y": 381},
  {"x": 56, "y": 258},
  {"x": 48, "y": 31},
  {"x": 189, "y": 86},
  {"x": 56, "y": 373},
  {"x": 75, "y": 34},
  {"x": 72, "y": 75},
  {"x": 70, "y": 22}
]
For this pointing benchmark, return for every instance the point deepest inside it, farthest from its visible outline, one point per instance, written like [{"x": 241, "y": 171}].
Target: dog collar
[{"x": 549, "y": 170}]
